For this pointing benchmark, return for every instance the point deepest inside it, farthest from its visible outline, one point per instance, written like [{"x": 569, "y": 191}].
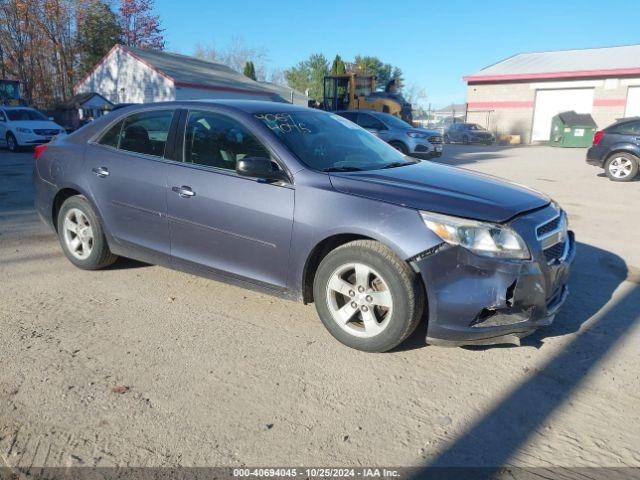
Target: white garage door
[
  {"x": 633, "y": 102},
  {"x": 549, "y": 103}
]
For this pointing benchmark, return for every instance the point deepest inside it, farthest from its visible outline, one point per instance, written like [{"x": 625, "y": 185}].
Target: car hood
[
  {"x": 442, "y": 189},
  {"x": 45, "y": 124}
]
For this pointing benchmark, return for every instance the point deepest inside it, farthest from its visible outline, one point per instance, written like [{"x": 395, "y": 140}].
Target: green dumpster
[{"x": 571, "y": 129}]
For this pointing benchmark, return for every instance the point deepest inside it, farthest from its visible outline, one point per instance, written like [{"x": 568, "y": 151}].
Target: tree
[
  {"x": 309, "y": 75},
  {"x": 235, "y": 56},
  {"x": 140, "y": 27},
  {"x": 37, "y": 43},
  {"x": 415, "y": 95},
  {"x": 338, "y": 67},
  {"x": 249, "y": 70},
  {"x": 384, "y": 72},
  {"x": 98, "y": 32}
]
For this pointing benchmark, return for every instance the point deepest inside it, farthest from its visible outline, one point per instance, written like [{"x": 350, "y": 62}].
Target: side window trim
[
  {"x": 173, "y": 150},
  {"x": 122, "y": 120}
]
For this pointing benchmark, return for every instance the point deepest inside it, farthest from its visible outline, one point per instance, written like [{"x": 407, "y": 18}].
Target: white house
[{"x": 138, "y": 75}]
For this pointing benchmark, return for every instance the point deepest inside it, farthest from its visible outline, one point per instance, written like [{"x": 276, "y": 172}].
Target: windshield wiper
[
  {"x": 342, "y": 169},
  {"x": 397, "y": 164}
]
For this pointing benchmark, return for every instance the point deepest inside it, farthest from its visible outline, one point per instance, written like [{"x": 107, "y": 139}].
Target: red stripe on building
[
  {"x": 610, "y": 102},
  {"x": 573, "y": 74},
  {"x": 500, "y": 104}
]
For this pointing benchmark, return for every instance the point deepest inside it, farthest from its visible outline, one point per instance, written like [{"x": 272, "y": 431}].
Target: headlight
[
  {"x": 482, "y": 238},
  {"x": 417, "y": 135},
  {"x": 24, "y": 130}
]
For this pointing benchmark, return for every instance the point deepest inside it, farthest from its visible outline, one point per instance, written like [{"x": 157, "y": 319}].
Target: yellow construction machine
[{"x": 350, "y": 91}]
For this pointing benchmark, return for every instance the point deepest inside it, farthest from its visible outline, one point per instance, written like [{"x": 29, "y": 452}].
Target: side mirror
[{"x": 259, "y": 167}]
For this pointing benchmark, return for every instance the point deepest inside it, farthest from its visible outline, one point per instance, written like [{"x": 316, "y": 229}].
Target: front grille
[
  {"x": 548, "y": 227},
  {"x": 435, "y": 139},
  {"x": 45, "y": 131},
  {"x": 554, "y": 253}
]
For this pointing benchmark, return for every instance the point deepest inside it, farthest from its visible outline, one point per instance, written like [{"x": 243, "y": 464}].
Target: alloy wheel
[
  {"x": 78, "y": 234},
  {"x": 359, "y": 300},
  {"x": 620, "y": 167}
]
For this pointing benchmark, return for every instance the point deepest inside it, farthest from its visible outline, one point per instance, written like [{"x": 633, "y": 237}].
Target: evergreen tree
[
  {"x": 249, "y": 70},
  {"x": 309, "y": 75},
  {"x": 98, "y": 31},
  {"x": 338, "y": 67}
]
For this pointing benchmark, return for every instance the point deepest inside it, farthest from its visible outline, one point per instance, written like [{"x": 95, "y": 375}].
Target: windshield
[
  {"x": 24, "y": 114},
  {"x": 328, "y": 142}
]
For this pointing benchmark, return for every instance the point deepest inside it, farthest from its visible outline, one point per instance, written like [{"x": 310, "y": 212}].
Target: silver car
[{"x": 416, "y": 142}]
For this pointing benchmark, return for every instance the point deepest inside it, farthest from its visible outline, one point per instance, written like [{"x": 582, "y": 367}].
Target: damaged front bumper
[{"x": 480, "y": 300}]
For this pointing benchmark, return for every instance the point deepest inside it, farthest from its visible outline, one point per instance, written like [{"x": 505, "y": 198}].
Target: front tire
[
  {"x": 12, "y": 142},
  {"x": 401, "y": 147},
  {"x": 621, "y": 167},
  {"x": 81, "y": 235},
  {"x": 367, "y": 297}
]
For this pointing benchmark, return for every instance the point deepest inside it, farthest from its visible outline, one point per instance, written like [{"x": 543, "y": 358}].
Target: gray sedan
[{"x": 417, "y": 142}]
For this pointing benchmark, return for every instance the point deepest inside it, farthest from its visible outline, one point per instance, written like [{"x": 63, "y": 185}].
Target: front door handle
[
  {"x": 184, "y": 191},
  {"x": 101, "y": 171}
]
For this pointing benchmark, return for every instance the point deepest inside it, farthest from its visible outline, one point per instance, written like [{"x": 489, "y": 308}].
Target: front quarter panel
[{"x": 321, "y": 212}]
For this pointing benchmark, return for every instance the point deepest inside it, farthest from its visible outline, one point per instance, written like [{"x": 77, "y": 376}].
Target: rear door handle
[
  {"x": 101, "y": 171},
  {"x": 184, "y": 191}
]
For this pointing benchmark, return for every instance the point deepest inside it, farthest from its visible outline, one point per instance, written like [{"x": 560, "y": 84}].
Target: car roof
[
  {"x": 248, "y": 106},
  {"x": 373, "y": 112}
]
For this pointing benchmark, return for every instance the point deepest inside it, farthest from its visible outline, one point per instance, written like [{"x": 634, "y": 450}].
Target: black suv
[
  {"x": 617, "y": 149},
  {"x": 468, "y": 133}
]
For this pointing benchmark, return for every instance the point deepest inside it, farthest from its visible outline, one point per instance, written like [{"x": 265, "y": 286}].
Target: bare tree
[
  {"x": 414, "y": 94},
  {"x": 235, "y": 56}
]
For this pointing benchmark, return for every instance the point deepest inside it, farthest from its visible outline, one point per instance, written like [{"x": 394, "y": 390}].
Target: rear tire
[
  {"x": 367, "y": 297},
  {"x": 621, "y": 167},
  {"x": 81, "y": 235}
]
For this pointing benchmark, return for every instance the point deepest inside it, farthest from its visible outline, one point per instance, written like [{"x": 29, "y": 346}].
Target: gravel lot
[{"x": 142, "y": 366}]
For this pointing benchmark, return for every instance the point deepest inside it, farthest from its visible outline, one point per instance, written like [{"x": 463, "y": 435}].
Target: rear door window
[
  {"x": 627, "y": 128},
  {"x": 353, "y": 116},
  {"x": 366, "y": 120},
  {"x": 146, "y": 132}
]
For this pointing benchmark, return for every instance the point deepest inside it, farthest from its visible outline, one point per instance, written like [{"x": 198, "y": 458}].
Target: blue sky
[{"x": 435, "y": 43}]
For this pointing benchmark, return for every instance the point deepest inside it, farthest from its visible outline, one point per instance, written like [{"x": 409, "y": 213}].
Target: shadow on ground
[
  {"x": 456, "y": 155},
  {"x": 598, "y": 320}
]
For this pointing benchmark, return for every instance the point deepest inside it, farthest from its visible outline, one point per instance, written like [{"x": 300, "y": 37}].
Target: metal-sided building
[
  {"x": 520, "y": 95},
  {"x": 138, "y": 75}
]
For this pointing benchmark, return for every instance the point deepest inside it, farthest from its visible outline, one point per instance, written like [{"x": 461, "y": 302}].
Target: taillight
[
  {"x": 38, "y": 150},
  {"x": 597, "y": 137}
]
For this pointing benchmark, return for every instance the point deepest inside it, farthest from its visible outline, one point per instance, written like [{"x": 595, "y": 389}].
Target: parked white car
[{"x": 26, "y": 127}]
